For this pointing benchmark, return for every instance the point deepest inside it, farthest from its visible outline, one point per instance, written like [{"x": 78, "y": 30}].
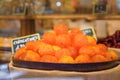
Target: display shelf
[
  {"x": 63, "y": 16},
  {"x": 28, "y": 21},
  {"x": 12, "y": 17}
]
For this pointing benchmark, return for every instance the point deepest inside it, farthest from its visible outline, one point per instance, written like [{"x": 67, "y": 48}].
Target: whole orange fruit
[
  {"x": 60, "y": 29},
  {"x": 83, "y": 59},
  {"x": 66, "y": 59},
  {"x": 49, "y": 37},
  {"x": 46, "y": 49},
  {"x": 63, "y": 40},
  {"x": 19, "y": 53},
  {"x": 62, "y": 52},
  {"x": 79, "y": 41},
  {"x": 31, "y": 56},
  {"x": 74, "y": 31},
  {"x": 48, "y": 58}
]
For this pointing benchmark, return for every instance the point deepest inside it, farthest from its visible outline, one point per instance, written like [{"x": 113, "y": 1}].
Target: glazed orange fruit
[
  {"x": 91, "y": 40},
  {"x": 102, "y": 47},
  {"x": 63, "y": 40},
  {"x": 83, "y": 59},
  {"x": 99, "y": 58},
  {"x": 19, "y": 53},
  {"x": 45, "y": 49},
  {"x": 62, "y": 52},
  {"x": 63, "y": 46},
  {"x": 79, "y": 41},
  {"x": 87, "y": 50},
  {"x": 113, "y": 55},
  {"x": 49, "y": 37},
  {"x": 49, "y": 58},
  {"x": 66, "y": 59},
  {"x": 60, "y": 29},
  {"x": 31, "y": 45},
  {"x": 73, "y": 52},
  {"x": 31, "y": 56},
  {"x": 74, "y": 31}
]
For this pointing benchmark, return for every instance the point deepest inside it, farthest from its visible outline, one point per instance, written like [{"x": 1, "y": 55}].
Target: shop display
[
  {"x": 64, "y": 52},
  {"x": 61, "y": 46}
]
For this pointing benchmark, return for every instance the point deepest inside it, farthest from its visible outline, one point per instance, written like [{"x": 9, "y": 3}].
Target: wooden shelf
[
  {"x": 62, "y": 16},
  {"x": 12, "y": 17},
  {"x": 28, "y": 22}
]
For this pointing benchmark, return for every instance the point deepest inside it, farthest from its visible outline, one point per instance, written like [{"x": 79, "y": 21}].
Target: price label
[
  {"x": 21, "y": 41},
  {"x": 100, "y": 9},
  {"x": 89, "y": 31}
]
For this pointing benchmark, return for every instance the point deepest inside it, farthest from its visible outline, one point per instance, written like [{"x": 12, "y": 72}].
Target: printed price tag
[
  {"x": 20, "y": 41},
  {"x": 89, "y": 31}
]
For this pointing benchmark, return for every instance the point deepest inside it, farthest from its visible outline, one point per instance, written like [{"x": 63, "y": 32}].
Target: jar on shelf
[{"x": 57, "y": 6}]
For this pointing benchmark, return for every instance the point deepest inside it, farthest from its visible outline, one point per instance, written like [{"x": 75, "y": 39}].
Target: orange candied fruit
[
  {"x": 113, "y": 55},
  {"x": 31, "y": 56},
  {"x": 49, "y": 58},
  {"x": 45, "y": 49},
  {"x": 63, "y": 40},
  {"x": 91, "y": 40},
  {"x": 87, "y": 50},
  {"x": 99, "y": 58},
  {"x": 60, "y": 29},
  {"x": 74, "y": 32},
  {"x": 19, "y": 53},
  {"x": 79, "y": 41},
  {"x": 31, "y": 45},
  {"x": 62, "y": 52},
  {"x": 49, "y": 37},
  {"x": 66, "y": 59},
  {"x": 102, "y": 47},
  {"x": 73, "y": 52},
  {"x": 83, "y": 59}
]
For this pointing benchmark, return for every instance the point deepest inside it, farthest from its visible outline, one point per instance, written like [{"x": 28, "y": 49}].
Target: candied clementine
[
  {"x": 46, "y": 49},
  {"x": 74, "y": 32},
  {"x": 108, "y": 56},
  {"x": 113, "y": 55},
  {"x": 102, "y": 47},
  {"x": 62, "y": 52},
  {"x": 49, "y": 37},
  {"x": 97, "y": 49},
  {"x": 73, "y": 52},
  {"x": 79, "y": 41},
  {"x": 91, "y": 40},
  {"x": 31, "y": 45},
  {"x": 83, "y": 59},
  {"x": 60, "y": 29},
  {"x": 19, "y": 52},
  {"x": 66, "y": 59},
  {"x": 32, "y": 56},
  {"x": 56, "y": 47},
  {"x": 99, "y": 58},
  {"x": 49, "y": 58},
  {"x": 87, "y": 50},
  {"x": 63, "y": 40}
]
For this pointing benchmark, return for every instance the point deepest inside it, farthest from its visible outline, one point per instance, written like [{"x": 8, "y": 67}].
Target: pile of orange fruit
[{"x": 65, "y": 46}]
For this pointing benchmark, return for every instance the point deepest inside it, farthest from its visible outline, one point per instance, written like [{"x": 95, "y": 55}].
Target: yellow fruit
[
  {"x": 56, "y": 48},
  {"x": 66, "y": 59}
]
